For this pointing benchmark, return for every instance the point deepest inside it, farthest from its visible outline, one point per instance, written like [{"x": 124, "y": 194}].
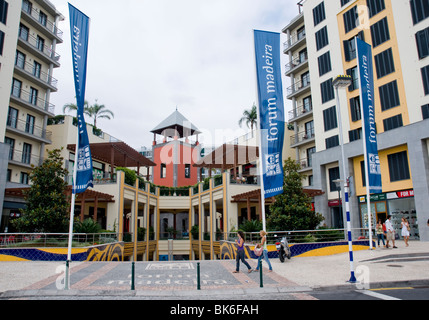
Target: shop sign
[
  {"x": 334, "y": 203},
  {"x": 400, "y": 194},
  {"x": 374, "y": 197}
]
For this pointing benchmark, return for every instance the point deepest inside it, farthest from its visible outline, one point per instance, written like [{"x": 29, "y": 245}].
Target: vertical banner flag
[
  {"x": 79, "y": 30},
  {"x": 367, "y": 99},
  {"x": 271, "y": 110}
]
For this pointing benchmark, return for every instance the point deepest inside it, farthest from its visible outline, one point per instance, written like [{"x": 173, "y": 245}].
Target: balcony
[
  {"x": 28, "y": 130},
  {"x": 294, "y": 41},
  {"x": 297, "y": 65},
  {"x": 40, "y": 21},
  {"x": 38, "y": 48},
  {"x": 302, "y": 138},
  {"x": 34, "y": 74},
  {"x": 301, "y": 112},
  {"x": 299, "y": 87},
  {"x": 32, "y": 101},
  {"x": 24, "y": 159}
]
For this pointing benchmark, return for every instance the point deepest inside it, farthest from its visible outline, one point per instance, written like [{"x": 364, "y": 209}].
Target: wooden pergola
[{"x": 117, "y": 154}]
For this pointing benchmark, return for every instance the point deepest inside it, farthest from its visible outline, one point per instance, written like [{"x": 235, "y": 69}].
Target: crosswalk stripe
[{"x": 378, "y": 295}]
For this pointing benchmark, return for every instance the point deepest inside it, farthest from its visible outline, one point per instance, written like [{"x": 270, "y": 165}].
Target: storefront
[{"x": 399, "y": 204}]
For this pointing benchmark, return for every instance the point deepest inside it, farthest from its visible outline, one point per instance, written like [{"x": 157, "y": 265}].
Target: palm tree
[
  {"x": 73, "y": 107},
  {"x": 250, "y": 117},
  {"x": 95, "y": 111},
  {"x": 100, "y": 111}
]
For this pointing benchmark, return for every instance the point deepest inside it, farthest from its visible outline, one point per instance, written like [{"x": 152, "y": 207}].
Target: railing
[
  {"x": 26, "y": 127},
  {"x": 49, "y": 240},
  {"x": 37, "y": 73},
  {"x": 42, "y": 20},
  {"x": 300, "y": 110},
  {"x": 303, "y": 236},
  {"x": 294, "y": 39},
  {"x": 32, "y": 99},
  {"x": 296, "y": 62},
  {"x": 39, "y": 46},
  {"x": 298, "y": 86},
  {"x": 302, "y": 136},
  {"x": 24, "y": 158}
]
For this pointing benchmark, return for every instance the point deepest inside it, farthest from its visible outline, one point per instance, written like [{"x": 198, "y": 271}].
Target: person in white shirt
[{"x": 390, "y": 232}]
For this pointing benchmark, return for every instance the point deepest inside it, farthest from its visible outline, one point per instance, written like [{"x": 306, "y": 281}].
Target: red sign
[{"x": 405, "y": 194}]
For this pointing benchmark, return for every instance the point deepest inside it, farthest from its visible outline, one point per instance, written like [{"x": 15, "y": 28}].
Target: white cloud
[{"x": 146, "y": 57}]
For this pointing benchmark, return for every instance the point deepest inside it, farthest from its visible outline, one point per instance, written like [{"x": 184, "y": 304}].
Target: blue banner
[
  {"x": 79, "y": 30},
  {"x": 367, "y": 99},
  {"x": 271, "y": 110}
]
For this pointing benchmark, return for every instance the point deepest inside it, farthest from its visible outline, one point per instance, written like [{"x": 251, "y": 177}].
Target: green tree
[
  {"x": 73, "y": 107},
  {"x": 98, "y": 111},
  {"x": 292, "y": 209},
  {"x": 47, "y": 208},
  {"x": 250, "y": 117}
]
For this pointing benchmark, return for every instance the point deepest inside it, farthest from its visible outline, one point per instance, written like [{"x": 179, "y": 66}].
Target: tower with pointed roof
[{"x": 176, "y": 152}]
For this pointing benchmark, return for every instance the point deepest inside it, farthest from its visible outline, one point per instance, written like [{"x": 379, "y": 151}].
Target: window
[
  {"x": 12, "y": 118},
  {"x": 187, "y": 171},
  {"x": 3, "y": 11},
  {"x": 393, "y": 122},
  {"x": 305, "y": 79},
  {"x": 27, "y": 6},
  {"x": 23, "y": 32},
  {"x": 33, "y": 96},
  {"x": 425, "y": 111},
  {"x": 398, "y": 166},
  {"x": 310, "y": 152},
  {"x": 163, "y": 170},
  {"x": 350, "y": 46},
  {"x": 389, "y": 96},
  {"x": 355, "y": 109},
  {"x": 330, "y": 118},
  {"x": 40, "y": 43},
  {"x": 319, "y": 14},
  {"x": 2, "y": 36},
  {"x": 307, "y": 104},
  {"x": 324, "y": 63},
  {"x": 353, "y": 72},
  {"x": 29, "y": 125},
  {"x": 334, "y": 174},
  {"x": 362, "y": 170},
  {"x": 322, "y": 39},
  {"x": 351, "y": 19},
  {"x": 24, "y": 178},
  {"x": 26, "y": 153},
  {"x": 380, "y": 32},
  {"x": 419, "y": 10},
  {"x": 332, "y": 142},
  {"x": 355, "y": 134},
  {"x": 384, "y": 63},
  {"x": 344, "y": 2},
  {"x": 375, "y": 6},
  {"x": 327, "y": 91},
  {"x": 422, "y": 39},
  {"x": 20, "y": 60},
  {"x": 309, "y": 129},
  {"x": 16, "y": 88},
  {"x": 11, "y": 143},
  {"x": 425, "y": 78},
  {"x": 43, "y": 18},
  {"x": 9, "y": 175},
  {"x": 37, "y": 68}
]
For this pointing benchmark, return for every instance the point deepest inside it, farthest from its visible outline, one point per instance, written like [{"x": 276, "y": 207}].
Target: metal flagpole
[
  {"x": 342, "y": 81},
  {"x": 72, "y": 206}
]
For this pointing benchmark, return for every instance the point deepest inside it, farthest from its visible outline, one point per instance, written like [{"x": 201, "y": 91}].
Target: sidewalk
[{"x": 299, "y": 276}]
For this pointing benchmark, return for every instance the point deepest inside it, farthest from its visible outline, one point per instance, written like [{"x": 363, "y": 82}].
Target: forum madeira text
[{"x": 219, "y": 309}]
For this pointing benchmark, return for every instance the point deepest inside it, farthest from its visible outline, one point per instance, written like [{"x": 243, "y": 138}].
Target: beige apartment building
[
  {"x": 397, "y": 30},
  {"x": 29, "y": 36}
]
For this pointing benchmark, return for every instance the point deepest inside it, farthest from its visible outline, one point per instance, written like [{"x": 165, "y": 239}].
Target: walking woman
[
  {"x": 405, "y": 232},
  {"x": 264, "y": 254},
  {"x": 380, "y": 233},
  {"x": 240, "y": 253}
]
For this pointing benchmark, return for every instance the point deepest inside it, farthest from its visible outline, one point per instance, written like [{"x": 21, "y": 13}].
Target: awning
[
  {"x": 229, "y": 156},
  {"x": 118, "y": 154}
]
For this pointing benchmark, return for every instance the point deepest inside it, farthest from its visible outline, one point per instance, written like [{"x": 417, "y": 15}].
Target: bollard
[
  {"x": 198, "y": 277},
  {"x": 132, "y": 275},
  {"x": 261, "y": 281}
]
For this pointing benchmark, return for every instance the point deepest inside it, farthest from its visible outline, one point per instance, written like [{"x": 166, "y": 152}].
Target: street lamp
[{"x": 344, "y": 82}]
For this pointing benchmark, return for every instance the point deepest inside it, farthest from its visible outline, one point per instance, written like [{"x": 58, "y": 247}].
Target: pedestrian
[
  {"x": 405, "y": 232},
  {"x": 390, "y": 232},
  {"x": 264, "y": 254},
  {"x": 380, "y": 233},
  {"x": 240, "y": 253}
]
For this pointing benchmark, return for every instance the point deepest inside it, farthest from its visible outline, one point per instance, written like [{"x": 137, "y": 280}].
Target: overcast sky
[{"x": 147, "y": 57}]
